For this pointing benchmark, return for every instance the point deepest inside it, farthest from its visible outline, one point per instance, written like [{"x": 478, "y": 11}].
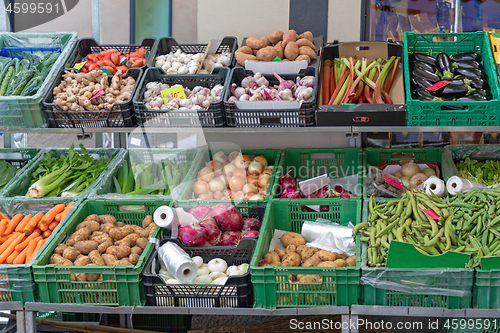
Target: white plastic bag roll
[
  {"x": 164, "y": 216},
  {"x": 433, "y": 185},
  {"x": 456, "y": 184},
  {"x": 177, "y": 262}
]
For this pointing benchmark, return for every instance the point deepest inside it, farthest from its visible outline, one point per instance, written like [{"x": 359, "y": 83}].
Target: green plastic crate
[
  {"x": 18, "y": 188},
  {"x": 159, "y": 323},
  {"x": 27, "y": 111},
  {"x": 453, "y": 278},
  {"x": 146, "y": 156},
  {"x": 271, "y": 287},
  {"x": 374, "y": 156},
  {"x": 272, "y": 156},
  {"x": 121, "y": 285},
  {"x": 19, "y": 158},
  {"x": 487, "y": 289},
  {"x": 16, "y": 281},
  {"x": 420, "y": 113},
  {"x": 454, "y": 153}
]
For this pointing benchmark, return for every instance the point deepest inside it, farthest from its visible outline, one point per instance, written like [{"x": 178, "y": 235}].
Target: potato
[
  {"x": 279, "y": 48},
  {"x": 351, "y": 261},
  {"x": 305, "y": 42},
  {"x": 129, "y": 241},
  {"x": 134, "y": 258},
  {"x": 291, "y": 248},
  {"x": 93, "y": 217},
  {"x": 291, "y": 51},
  {"x": 123, "y": 262},
  {"x": 70, "y": 253},
  {"x": 308, "y": 35},
  {"x": 312, "y": 262},
  {"x": 306, "y": 50},
  {"x": 103, "y": 246},
  {"x": 120, "y": 224},
  {"x": 311, "y": 279},
  {"x": 291, "y": 259},
  {"x": 144, "y": 233},
  {"x": 58, "y": 260},
  {"x": 107, "y": 219},
  {"x": 292, "y": 238},
  {"x": 84, "y": 247},
  {"x": 244, "y": 49},
  {"x": 95, "y": 257},
  {"x": 147, "y": 220},
  {"x": 276, "y": 36},
  {"x": 109, "y": 259},
  {"x": 118, "y": 251},
  {"x": 137, "y": 229},
  {"x": 82, "y": 261},
  {"x": 303, "y": 57},
  {"x": 288, "y": 37},
  {"x": 119, "y": 233},
  {"x": 136, "y": 249},
  {"x": 327, "y": 255},
  {"x": 330, "y": 264},
  {"x": 78, "y": 236},
  {"x": 342, "y": 256},
  {"x": 242, "y": 57},
  {"x": 254, "y": 52},
  {"x": 82, "y": 277},
  {"x": 91, "y": 225},
  {"x": 267, "y": 53},
  {"x": 142, "y": 242},
  {"x": 340, "y": 263},
  {"x": 280, "y": 252},
  {"x": 97, "y": 233},
  {"x": 107, "y": 227},
  {"x": 92, "y": 277},
  {"x": 255, "y": 43},
  {"x": 60, "y": 249},
  {"x": 271, "y": 257},
  {"x": 102, "y": 239},
  {"x": 151, "y": 232},
  {"x": 266, "y": 40},
  {"x": 307, "y": 253},
  {"x": 72, "y": 277}
]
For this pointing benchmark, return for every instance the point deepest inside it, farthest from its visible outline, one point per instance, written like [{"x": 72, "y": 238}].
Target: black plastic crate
[
  {"x": 305, "y": 116},
  {"x": 121, "y": 115},
  {"x": 236, "y": 293},
  {"x": 167, "y": 44},
  {"x": 86, "y": 46},
  {"x": 211, "y": 117}
]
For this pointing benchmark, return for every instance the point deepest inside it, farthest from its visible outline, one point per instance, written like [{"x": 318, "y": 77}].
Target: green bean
[
  {"x": 459, "y": 214},
  {"x": 451, "y": 231},
  {"x": 399, "y": 234},
  {"x": 459, "y": 224},
  {"x": 484, "y": 237},
  {"x": 432, "y": 250},
  {"x": 358, "y": 227},
  {"x": 386, "y": 229},
  {"x": 364, "y": 239},
  {"x": 435, "y": 239},
  {"x": 372, "y": 236}
]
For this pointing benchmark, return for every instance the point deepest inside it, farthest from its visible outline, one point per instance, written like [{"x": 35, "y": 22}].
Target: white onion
[
  {"x": 417, "y": 179},
  {"x": 172, "y": 281},
  {"x": 220, "y": 281},
  {"x": 244, "y": 267},
  {"x": 255, "y": 168},
  {"x": 202, "y": 279},
  {"x": 405, "y": 181},
  {"x": 198, "y": 261},
  {"x": 216, "y": 185},
  {"x": 429, "y": 172},
  {"x": 203, "y": 271},
  {"x": 217, "y": 265},
  {"x": 409, "y": 169},
  {"x": 231, "y": 269},
  {"x": 216, "y": 275},
  {"x": 237, "y": 272}
]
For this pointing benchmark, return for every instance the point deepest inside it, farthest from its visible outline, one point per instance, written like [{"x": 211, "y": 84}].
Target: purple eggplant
[
  {"x": 425, "y": 58},
  {"x": 467, "y": 64},
  {"x": 421, "y": 92},
  {"x": 453, "y": 90},
  {"x": 466, "y": 57},
  {"x": 473, "y": 98},
  {"x": 444, "y": 63},
  {"x": 429, "y": 76},
  {"x": 420, "y": 82},
  {"x": 424, "y": 65},
  {"x": 469, "y": 72}
]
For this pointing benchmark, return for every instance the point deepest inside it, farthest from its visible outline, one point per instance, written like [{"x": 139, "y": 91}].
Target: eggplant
[
  {"x": 467, "y": 64},
  {"x": 454, "y": 107},
  {"x": 444, "y": 63},
  {"x": 456, "y": 82},
  {"x": 421, "y": 92},
  {"x": 426, "y": 98},
  {"x": 472, "y": 98},
  {"x": 429, "y": 76},
  {"x": 482, "y": 92},
  {"x": 466, "y": 57},
  {"x": 476, "y": 83},
  {"x": 420, "y": 82},
  {"x": 469, "y": 72},
  {"x": 425, "y": 58},
  {"x": 454, "y": 90},
  {"x": 424, "y": 65}
]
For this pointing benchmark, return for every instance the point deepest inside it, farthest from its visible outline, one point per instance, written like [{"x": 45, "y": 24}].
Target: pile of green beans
[{"x": 467, "y": 223}]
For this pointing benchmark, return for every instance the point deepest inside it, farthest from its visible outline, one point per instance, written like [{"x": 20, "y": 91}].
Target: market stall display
[{"x": 13, "y": 161}]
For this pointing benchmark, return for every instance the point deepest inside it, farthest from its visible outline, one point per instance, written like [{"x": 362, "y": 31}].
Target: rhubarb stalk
[
  {"x": 354, "y": 85},
  {"x": 377, "y": 96},
  {"x": 338, "y": 87},
  {"x": 326, "y": 81},
  {"x": 393, "y": 75}
]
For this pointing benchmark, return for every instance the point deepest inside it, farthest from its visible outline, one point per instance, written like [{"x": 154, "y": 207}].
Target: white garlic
[
  {"x": 182, "y": 70},
  {"x": 171, "y": 70},
  {"x": 193, "y": 69}
]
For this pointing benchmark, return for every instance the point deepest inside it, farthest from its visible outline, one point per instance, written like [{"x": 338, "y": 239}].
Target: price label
[
  {"x": 79, "y": 65},
  {"x": 277, "y": 59},
  {"x": 438, "y": 85},
  {"x": 99, "y": 93},
  {"x": 176, "y": 92},
  {"x": 394, "y": 182},
  {"x": 432, "y": 214}
]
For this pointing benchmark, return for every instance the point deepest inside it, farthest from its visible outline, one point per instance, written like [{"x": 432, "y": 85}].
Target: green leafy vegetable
[
  {"x": 7, "y": 172},
  {"x": 487, "y": 172}
]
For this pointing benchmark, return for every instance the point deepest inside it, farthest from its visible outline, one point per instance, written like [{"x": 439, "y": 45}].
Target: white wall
[{"x": 344, "y": 20}]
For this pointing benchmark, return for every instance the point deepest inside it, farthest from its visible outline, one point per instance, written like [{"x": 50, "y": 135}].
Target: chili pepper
[
  {"x": 424, "y": 58},
  {"x": 466, "y": 56},
  {"x": 470, "y": 72},
  {"x": 423, "y": 65},
  {"x": 429, "y": 76}
]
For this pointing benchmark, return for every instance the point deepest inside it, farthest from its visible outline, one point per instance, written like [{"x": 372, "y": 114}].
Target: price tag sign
[
  {"x": 432, "y": 214},
  {"x": 79, "y": 65},
  {"x": 394, "y": 182},
  {"x": 438, "y": 85},
  {"x": 277, "y": 59},
  {"x": 99, "y": 93},
  {"x": 176, "y": 92}
]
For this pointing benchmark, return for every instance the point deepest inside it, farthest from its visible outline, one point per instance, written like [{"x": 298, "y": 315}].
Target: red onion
[
  {"x": 287, "y": 182},
  {"x": 193, "y": 235},
  {"x": 321, "y": 193},
  {"x": 228, "y": 217},
  {"x": 250, "y": 233},
  {"x": 251, "y": 224},
  {"x": 230, "y": 238},
  {"x": 201, "y": 212},
  {"x": 212, "y": 229},
  {"x": 291, "y": 193}
]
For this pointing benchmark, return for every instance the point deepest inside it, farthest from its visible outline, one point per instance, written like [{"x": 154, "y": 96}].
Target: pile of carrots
[
  {"x": 352, "y": 81},
  {"x": 23, "y": 236},
  {"x": 111, "y": 60}
]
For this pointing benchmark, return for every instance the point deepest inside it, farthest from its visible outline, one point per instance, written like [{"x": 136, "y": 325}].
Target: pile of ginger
[{"x": 76, "y": 90}]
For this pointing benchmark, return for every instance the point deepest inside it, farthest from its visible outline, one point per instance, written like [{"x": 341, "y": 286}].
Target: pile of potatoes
[
  {"x": 296, "y": 253},
  {"x": 288, "y": 46},
  {"x": 102, "y": 241}
]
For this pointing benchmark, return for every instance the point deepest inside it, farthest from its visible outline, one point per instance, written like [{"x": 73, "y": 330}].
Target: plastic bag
[
  {"x": 329, "y": 236},
  {"x": 382, "y": 184}
]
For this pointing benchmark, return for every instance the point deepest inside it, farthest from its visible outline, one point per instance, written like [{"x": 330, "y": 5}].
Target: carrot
[
  {"x": 57, "y": 218},
  {"x": 53, "y": 225},
  {"x": 2, "y": 240},
  {"x": 46, "y": 233},
  {"x": 30, "y": 248},
  {"x": 25, "y": 243},
  {"x": 66, "y": 211},
  {"x": 326, "y": 80},
  {"x": 10, "y": 248},
  {"x": 20, "y": 227},
  {"x": 3, "y": 226},
  {"x": 3, "y": 216},
  {"x": 12, "y": 256},
  {"x": 9, "y": 240},
  {"x": 30, "y": 226},
  {"x": 37, "y": 248},
  {"x": 51, "y": 214},
  {"x": 42, "y": 226},
  {"x": 13, "y": 223},
  {"x": 38, "y": 230},
  {"x": 21, "y": 257}
]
